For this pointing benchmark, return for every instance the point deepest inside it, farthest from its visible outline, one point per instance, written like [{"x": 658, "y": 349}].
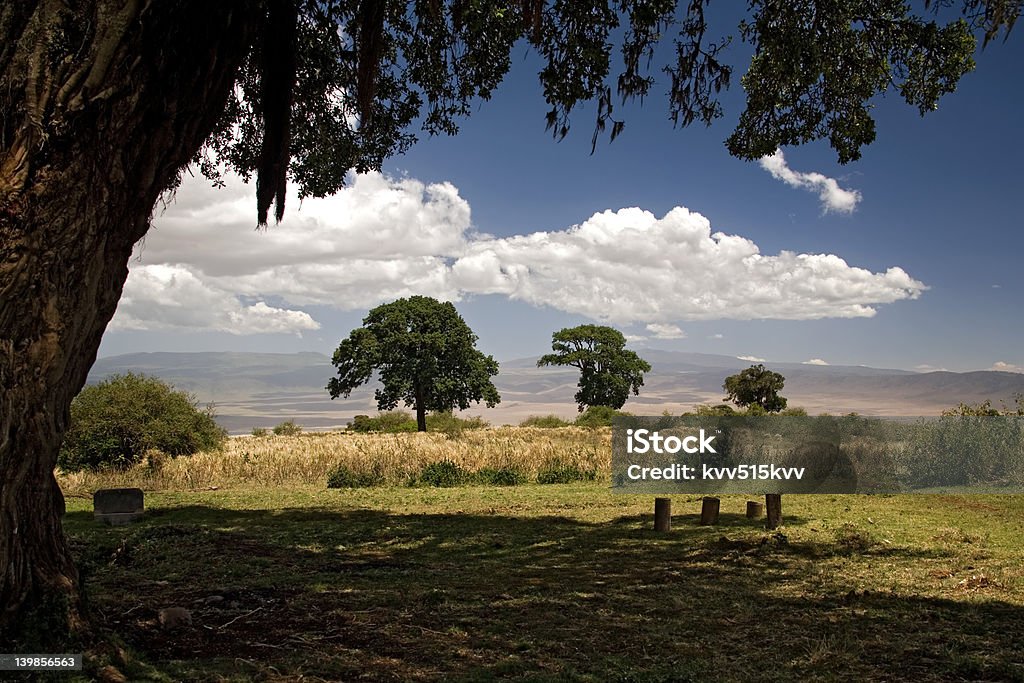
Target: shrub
[
  {"x": 259, "y": 431},
  {"x": 544, "y": 421},
  {"x": 360, "y": 423},
  {"x": 342, "y": 477},
  {"x": 563, "y": 473},
  {"x": 448, "y": 424},
  {"x": 397, "y": 421},
  {"x": 287, "y": 428},
  {"x": 115, "y": 422},
  {"x": 599, "y": 416},
  {"x": 439, "y": 421},
  {"x": 393, "y": 421},
  {"x": 444, "y": 473},
  {"x": 704, "y": 410},
  {"x": 795, "y": 411},
  {"x": 501, "y": 476}
]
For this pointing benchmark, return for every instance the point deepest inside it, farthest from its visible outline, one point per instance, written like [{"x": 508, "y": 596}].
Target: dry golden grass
[{"x": 307, "y": 458}]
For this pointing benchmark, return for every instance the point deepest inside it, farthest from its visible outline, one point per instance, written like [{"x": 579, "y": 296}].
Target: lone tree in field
[
  {"x": 425, "y": 356},
  {"x": 103, "y": 103},
  {"x": 756, "y": 386},
  {"x": 608, "y": 371}
]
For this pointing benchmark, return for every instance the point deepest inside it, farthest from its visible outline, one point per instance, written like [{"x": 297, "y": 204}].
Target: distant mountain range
[{"x": 262, "y": 389}]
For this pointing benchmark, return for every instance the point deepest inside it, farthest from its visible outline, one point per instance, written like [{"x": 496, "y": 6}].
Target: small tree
[
  {"x": 608, "y": 372},
  {"x": 287, "y": 428},
  {"x": 756, "y": 386},
  {"x": 425, "y": 356},
  {"x": 114, "y": 422}
]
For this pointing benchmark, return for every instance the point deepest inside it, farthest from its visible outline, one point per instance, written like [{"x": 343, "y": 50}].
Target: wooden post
[
  {"x": 755, "y": 510},
  {"x": 773, "y": 502},
  {"x": 662, "y": 514},
  {"x": 709, "y": 511}
]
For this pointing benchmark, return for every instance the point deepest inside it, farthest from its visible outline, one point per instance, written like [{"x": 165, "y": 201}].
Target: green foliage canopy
[
  {"x": 398, "y": 421},
  {"x": 756, "y": 386},
  {"x": 608, "y": 371},
  {"x": 334, "y": 85},
  {"x": 424, "y": 354},
  {"x": 544, "y": 422},
  {"x": 115, "y": 422},
  {"x": 287, "y": 428},
  {"x": 599, "y": 416}
]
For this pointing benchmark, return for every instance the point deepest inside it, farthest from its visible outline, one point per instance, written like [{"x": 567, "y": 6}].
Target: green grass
[{"x": 558, "y": 582}]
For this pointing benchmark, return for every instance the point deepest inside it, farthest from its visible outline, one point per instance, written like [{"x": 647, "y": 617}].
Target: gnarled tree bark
[{"x": 102, "y": 104}]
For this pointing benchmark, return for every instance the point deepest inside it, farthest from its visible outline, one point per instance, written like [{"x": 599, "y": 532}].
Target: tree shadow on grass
[{"x": 364, "y": 593}]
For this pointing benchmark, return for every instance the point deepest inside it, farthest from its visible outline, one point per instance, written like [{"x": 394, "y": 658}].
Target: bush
[
  {"x": 599, "y": 416},
  {"x": 342, "y": 477},
  {"x": 502, "y": 476},
  {"x": 259, "y": 431},
  {"x": 443, "y": 474},
  {"x": 397, "y": 421},
  {"x": 448, "y": 424},
  {"x": 287, "y": 428},
  {"x": 393, "y": 421},
  {"x": 718, "y": 410},
  {"x": 115, "y": 422},
  {"x": 544, "y": 421},
  {"x": 360, "y": 423},
  {"x": 563, "y": 473}
]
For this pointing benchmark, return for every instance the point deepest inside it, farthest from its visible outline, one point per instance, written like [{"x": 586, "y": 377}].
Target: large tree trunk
[
  {"x": 103, "y": 102},
  {"x": 421, "y": 410}
]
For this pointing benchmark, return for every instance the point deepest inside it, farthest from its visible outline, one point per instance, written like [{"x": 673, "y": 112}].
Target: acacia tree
[
  {"x": 608, "y": 371},
  {"x": 104, "y": 102},
  {"x": 756, "y": 386},
  {"x": 424, "y": 354}
]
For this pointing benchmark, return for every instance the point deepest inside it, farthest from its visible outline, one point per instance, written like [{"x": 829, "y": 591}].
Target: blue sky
[{"x": 937, "y": 197}]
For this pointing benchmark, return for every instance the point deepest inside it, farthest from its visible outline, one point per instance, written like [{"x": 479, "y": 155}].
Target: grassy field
[
  {"x": 306, "y": 459},
  {"x": 289, "y": 581}
]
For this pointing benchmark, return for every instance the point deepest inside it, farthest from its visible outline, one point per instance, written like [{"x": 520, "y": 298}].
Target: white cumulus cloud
[
  {"x": 833, "y": 197},
  {"x": 665, "y": 331},
  {"x": 173, "y": 297},
  {"x": 752, "y": 359},
  {"x": 382, "y": 238},
  {"x": 1002, "y": 366},
  {"x": 815, "y": 361},
  {"x": 628, "y": 265}
]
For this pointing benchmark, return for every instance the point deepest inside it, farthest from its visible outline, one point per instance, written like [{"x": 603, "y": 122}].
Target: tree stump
[
  {"x": 662, "y": 514},
  {"x": 773, "y": 503},
  {"x": 755, "y": 510},
  {"x": 709, "y": 511}
]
